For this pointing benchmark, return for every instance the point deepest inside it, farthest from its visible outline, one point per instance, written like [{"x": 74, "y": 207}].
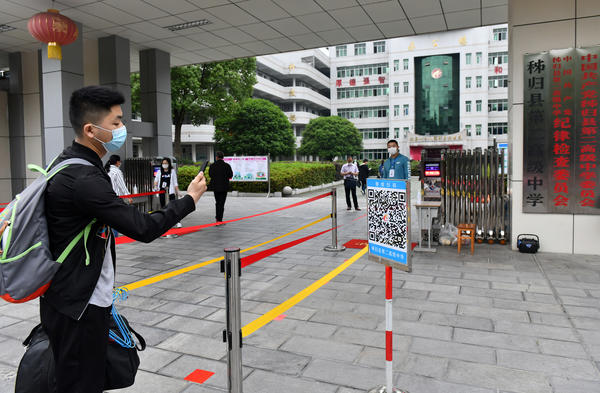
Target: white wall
[{"x": 535, "y": 26}]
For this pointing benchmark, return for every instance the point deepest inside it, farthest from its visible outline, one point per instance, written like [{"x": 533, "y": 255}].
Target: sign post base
[
  {"x": 382, "y": 389},
  {"x": 334, "y": 249}
]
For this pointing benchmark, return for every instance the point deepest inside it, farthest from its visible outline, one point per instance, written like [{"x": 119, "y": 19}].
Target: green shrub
[
  {"x": 415, "y": 168},
  {"x": 187, "y": 173},
  {"x": 294, "y": 174}
]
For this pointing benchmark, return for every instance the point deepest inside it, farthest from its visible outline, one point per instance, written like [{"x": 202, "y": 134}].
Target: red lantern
[{"x": 54, "y": 29}]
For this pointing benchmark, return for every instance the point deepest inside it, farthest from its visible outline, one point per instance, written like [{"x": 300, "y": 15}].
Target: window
[
  {"x": 374, "y": 154},
  {"x": 500, "y": 34},
  {"x": 396, "y": 133},
  {"x": 478, "y": 81},
  {"x": 396, "y": 110},
  {"x": 467, "y": 58},
  {"x": 468, "y": 82},
  {"x": 362, "y": 91},
  {"x": 341, "y": 51},
  {"x": 405, "y": 109},
  {"x": 405, "y": 86},
  {"x": 497, "y": 128},
  {"x": 478, "y": 105},
  {"x": 360, "y": 49},
  {"x": 396, "y": 87},
  {"x": 498, "y": 105},
  {"x": 362, "y": 70},
  {"x": 468, "y": 106},
  {"x": 478, "y": 56},
  {"x": 497, "y": 58},
  {"x": 478, "y": 129},
  {"x": 363, "y": 113},
  {"x": 497, "y": 81},
  {"x": 374, "y": 133},
  {"x": 405, "y": 64},
  {"x": 379, "y": 47},
  {"x": 396, "y": 65},
  {"x": 405, "y": 132},
  {"x": 468, "y": 128}
]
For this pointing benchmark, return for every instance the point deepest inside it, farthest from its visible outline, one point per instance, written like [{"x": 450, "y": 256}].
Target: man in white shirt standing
[{"x": 350, "y": 172}]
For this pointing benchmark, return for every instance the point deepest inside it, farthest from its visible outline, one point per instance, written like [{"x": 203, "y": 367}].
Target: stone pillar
[
  {"x": 59, "y": 80},
  {"x": 155, "y": 100},
  {"x": 114, "y": 72},
  {"x": 16, "y": 124},
  {"x": 536, "y": 26},
  {"x": 5, "y": 161}
]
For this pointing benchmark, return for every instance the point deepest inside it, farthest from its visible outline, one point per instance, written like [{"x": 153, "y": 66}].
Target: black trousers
[
  {"x": 162, "y": 199},
  {"x": 79, "y": 347},
  {"x": 350, "y": 187},
  {"x": 220, "y": 197}
]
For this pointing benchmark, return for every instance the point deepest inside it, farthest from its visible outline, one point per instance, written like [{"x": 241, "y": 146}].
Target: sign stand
[{"x": 388, "y": 227}]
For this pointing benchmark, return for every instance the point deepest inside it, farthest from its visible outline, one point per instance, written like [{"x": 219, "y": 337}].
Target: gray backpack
[{"x": 26, "y": 263}]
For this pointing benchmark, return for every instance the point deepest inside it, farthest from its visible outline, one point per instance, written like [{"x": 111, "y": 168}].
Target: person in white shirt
[
  {"x": 116, "y": 176},
  {"x": 350, "y": 173},
  {"x": 166, "y": 179}
]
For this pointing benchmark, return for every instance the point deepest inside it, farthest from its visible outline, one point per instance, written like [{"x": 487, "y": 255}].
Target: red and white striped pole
[{"x": 389, "y": 337}]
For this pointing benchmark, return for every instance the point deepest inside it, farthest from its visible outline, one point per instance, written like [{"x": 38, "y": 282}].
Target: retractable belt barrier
[
  {"x": 142, "y": 194},
  {"x": 196, "y": 228}
]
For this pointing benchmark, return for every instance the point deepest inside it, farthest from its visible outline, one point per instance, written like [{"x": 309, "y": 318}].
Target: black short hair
[
  {"x": 90, "y": 103},
  {"x": 365, "y": 160},
  {"x": 169, "y": 162},
  {"x": 220, "y": 154},
  {"x": 393, "y": 141}
]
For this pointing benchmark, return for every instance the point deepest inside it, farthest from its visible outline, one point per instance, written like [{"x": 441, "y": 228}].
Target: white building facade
[{"x": 374, "y": 84}]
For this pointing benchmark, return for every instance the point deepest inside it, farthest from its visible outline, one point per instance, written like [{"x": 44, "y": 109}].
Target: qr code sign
[{"x": 387, "y": 217}]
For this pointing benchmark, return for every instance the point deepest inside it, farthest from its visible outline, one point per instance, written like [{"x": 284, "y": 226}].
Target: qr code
[{"x": 387, "y": 217}]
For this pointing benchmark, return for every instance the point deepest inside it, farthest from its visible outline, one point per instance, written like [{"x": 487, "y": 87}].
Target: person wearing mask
[
  {"x": 398, "y": 165},
  {"x": 166, "y": 180},
  {"x": 350, "y": 171},
  {"x": 75, "y": 310},
  {"x": 363, "y": 174},
  {"x": 220, "y": 172},
  {"x": 113, "y": 168}
]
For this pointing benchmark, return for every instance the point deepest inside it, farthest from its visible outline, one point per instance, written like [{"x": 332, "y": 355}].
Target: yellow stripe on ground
[
  {"x": 297, "y": 298},
  {"x": 164, "y": 276}
]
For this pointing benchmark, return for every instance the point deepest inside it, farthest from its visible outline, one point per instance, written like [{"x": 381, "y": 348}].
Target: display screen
[{"x": 432, "y": 170}]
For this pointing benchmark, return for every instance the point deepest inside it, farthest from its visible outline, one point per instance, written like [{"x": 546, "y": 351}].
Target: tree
[
  {"x": 330, "y": 137},
  {"x": 255, "y": 127},
  {"x": 204, "y": 91}
]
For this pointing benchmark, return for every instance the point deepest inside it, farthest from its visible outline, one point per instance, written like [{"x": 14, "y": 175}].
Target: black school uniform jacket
[
  {"x": 220, "y": 172},
  {"x": 77, "y": 196}
]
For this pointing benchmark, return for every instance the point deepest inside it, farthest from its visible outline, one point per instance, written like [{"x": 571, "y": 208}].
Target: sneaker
[
  {"x": 349, "y": 208},
  {"x": 358, "y": 209},
  {"x": 178, "y": 225}
]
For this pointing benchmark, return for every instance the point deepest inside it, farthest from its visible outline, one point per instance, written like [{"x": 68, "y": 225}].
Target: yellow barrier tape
[{"x": 297, "y": 298}]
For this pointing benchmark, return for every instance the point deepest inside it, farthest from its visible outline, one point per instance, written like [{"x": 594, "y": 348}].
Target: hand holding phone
[{"x": 203, "y": 167}]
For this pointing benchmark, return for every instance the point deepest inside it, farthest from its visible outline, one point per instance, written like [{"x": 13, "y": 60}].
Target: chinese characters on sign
[
  {"x": 388, "y": 222},
  {"x": 560, "y": 132}
]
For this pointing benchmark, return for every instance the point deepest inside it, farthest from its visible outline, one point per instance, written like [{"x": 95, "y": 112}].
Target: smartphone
[{"x": 203, "y": 167}]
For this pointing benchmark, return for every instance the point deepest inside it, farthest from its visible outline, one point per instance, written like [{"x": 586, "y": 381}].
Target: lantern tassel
[{"x": 54, "y": 51}]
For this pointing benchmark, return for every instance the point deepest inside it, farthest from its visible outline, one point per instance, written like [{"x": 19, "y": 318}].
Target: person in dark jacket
[
  {"x": 80, "y": 203},
  {"x": 220, "y": 172},
  {"x": 363, "y": 174}
]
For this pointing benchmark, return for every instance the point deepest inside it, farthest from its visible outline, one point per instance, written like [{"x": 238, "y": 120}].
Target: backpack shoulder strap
[{"x": 63, "y": 164}]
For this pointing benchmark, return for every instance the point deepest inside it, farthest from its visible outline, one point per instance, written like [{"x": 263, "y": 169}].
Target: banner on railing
[{"x": 249, "y": 168}]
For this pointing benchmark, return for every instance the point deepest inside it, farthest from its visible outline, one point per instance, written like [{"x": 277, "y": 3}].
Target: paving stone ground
[{"x": 494, "y": 322}]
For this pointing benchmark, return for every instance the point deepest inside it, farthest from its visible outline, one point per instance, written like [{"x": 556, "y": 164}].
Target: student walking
[{"x": 220, "y": 172}]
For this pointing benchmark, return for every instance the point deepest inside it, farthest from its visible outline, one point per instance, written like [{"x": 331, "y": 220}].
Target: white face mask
[
  {"x": 165, "y": 166},
  {"x": 392, "y": 150}
]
